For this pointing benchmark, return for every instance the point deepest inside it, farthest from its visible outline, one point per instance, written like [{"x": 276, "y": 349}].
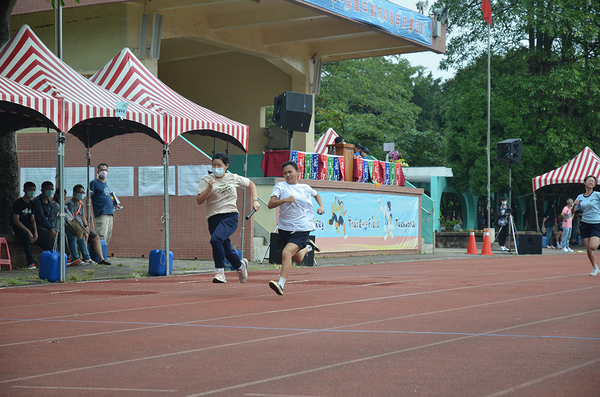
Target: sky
[{"x": 428, "y": 59}]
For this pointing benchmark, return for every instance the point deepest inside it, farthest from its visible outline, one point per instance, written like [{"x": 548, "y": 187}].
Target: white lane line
[
  {"x": 543, "y": 378},
  {"x": 94, "y": 389},
  {"x": 299, "y": 308}
]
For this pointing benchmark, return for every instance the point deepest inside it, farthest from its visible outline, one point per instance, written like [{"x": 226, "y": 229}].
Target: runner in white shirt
[
  {"x": 589, "y": 204},
  {"x": 296, "y": 220}
]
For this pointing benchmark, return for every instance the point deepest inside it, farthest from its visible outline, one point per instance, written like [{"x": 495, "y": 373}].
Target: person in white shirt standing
[
  {"x": 589, "y": 204},
  {"x": 296, "y": 220},
  {"x": 219, "y": 190}
]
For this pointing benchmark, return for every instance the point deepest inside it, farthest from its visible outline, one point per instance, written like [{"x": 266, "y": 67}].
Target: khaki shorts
[{"x": 104, "y": 226}]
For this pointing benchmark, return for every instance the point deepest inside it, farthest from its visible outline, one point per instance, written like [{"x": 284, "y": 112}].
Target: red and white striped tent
[
  {"x": 83, "y": 105},
  {"x": 326, "y": 139},
  {"x": 23, "y": 107},
  {"x": 584, "y": 164},
  {"x": 126, "y": 76}
]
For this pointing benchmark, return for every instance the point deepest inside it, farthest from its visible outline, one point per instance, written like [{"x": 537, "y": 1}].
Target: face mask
[
  {"x": 103, "y": 174},
  {"x": 79, "y": 196},
  {"x": 31, "y": 194},
  {"x": 49, "y": 193},
  {"x": 218, "y": 172},
  {"x": 503, "y": 202}
]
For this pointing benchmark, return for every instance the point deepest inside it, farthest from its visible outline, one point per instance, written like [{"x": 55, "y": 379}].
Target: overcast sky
[{"x": 428, "y": 59}]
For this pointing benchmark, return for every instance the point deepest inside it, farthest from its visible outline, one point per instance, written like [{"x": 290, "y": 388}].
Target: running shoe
[
  {"x": 570, "y": 250},
  {"x": 503, "y": 248},
  {"x": 31, "y": 266},
  {"x": 595, "y": 271},
  {"x": 73, "y": 262},
  {"x": 314, "y": 246},
  {"x": 276, "y": 287},
  {"x": 243, "y": 271},
  {"x": 565, "y": 249},
  {"x": 219, "y": 278},
  {"x": 105, "y": 262},
  {"x": 89, "y": 262}
]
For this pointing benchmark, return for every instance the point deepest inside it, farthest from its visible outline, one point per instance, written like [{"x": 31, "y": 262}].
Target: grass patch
[
  {"x": 75, "y": 276},
  {"x": 122, "y": 265}
]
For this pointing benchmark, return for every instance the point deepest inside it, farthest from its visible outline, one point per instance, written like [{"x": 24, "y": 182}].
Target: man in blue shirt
[{"x": 102, "y": 204}]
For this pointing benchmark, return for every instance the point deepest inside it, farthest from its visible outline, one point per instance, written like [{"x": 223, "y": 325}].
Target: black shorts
[
  {"x": 298, "y": 238},
  {"x": 92, "y": 236},
  {"x": 588, "y": 230}
]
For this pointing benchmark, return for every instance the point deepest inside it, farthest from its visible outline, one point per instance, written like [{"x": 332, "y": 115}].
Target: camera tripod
[{"x": 512, "y": 232}]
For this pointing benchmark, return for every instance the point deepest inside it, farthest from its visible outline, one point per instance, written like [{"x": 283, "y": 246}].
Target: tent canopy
[
  {"x": 575, "y": 171},
  {"x": 22, "y": 107},
  {"x": 126, "y": 76},
  {"x": 26, "y": 60},
  {"x": 327, "y": 139}
]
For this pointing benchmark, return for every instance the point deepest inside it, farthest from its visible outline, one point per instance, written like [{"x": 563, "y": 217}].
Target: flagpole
[{"x": 488, "y": 133}]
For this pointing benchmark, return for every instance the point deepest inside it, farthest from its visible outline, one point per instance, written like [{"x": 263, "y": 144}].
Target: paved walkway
[{"x": 123, "y": 268}]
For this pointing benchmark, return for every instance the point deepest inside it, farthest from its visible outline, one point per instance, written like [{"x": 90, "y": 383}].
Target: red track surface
[{"x": 517, "y": 326}]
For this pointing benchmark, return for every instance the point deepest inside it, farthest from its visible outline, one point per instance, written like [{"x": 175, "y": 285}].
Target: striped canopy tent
[
  {"x": 126, "y": 76},
  {"x": 575, "y": 171},
  {"x": 85, "y": 110},
  {"x": 23, "y": 107},
  {"x": 326, "y": 139}
]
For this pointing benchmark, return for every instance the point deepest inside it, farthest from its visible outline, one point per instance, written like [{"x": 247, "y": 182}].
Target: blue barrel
[
  {"x": 157, "y": 266},
  {"x": 93, "y": 253},
  {"x": 49, "y": 266}
]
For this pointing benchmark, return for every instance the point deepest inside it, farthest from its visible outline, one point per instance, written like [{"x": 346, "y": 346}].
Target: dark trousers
[
  {"x": 502, "y": 233},
  {"x": 40, "y": 242},
  {"x": 221, "y": 227}
]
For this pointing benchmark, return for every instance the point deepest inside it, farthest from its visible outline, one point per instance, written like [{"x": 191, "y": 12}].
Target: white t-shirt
[
  {"x": 223, "y": 197},
  {"x": 298, "y": 216}
]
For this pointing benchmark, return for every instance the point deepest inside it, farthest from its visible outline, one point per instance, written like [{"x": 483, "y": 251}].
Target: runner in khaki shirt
[{"x": 219, "y": 191}]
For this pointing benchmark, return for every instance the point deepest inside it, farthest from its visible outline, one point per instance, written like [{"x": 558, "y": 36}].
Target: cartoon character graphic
[
  {"x": 337, "y": 216},
  {"x": 388, "y": 226}
]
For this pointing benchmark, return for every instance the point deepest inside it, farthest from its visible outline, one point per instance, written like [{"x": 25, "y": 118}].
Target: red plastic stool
[{"x": 7, "y": 261}]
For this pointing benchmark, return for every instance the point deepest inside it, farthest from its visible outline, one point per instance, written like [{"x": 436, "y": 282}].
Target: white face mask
[
  {"x": 103, "y": 173},
  {"x": 218, "y": 172},
  {"x": 503, "y": 202}
]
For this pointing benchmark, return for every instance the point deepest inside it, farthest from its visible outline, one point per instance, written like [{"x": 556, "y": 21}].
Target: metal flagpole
[
  {"x": 488, "y": 136},
  {"x": 60, "y": 150},
  {"x": 166, "y": 253}
]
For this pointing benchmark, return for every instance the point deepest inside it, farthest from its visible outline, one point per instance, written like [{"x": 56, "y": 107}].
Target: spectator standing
[
  {"x": 549, "y": 218},
  {"x": 102, "y": 204},
  {"x": 24, "y": 225},
  {"x": 567, "y": 224}
]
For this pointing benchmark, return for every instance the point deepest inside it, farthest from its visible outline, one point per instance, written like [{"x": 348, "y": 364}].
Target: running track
[{"x": 485, "y": 326}]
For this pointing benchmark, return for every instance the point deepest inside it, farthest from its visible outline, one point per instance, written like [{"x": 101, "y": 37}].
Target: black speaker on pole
[
  {"x": 510, "y": 151},
  {"x": 276, "y": 248},
  {"x": 292, "y": 111}
]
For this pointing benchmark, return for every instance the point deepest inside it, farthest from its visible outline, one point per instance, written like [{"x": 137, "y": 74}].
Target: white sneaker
[
  {"x": 243, "y": 271},
  {"x": 503, "y": 248},
  {"x": 595, "y": 271},
  {"x": 219, "y": 278},
  {"x": 565, "y": 249},
  {"x": 570, "y": 250},
  {"x": 89, "y": 262}
]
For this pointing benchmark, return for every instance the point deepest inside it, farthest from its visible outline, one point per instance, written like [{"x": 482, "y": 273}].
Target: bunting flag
[
  {"x": 330, "y": 167},
  {"x": 300, "y": 163},
  {"x": 486, "y": 8},
  {"x": 399, "y": 175},
  {"x": 342, "y": 171},
  {"x": 392, "y": 174},
  {"x": 314, "y": 171},
  {"x": 365, "y": 170},
  {"x": 376, "y": 171},
  {"x": 358, "y": 170},
  {"x": 307, "y": 165},
  {"x": 336, "y": 168},
  {"x": 386, "y": 174},
  {"x": 370, "y": 174},
  {"x": 323, "y": 166},
  {"x": 295, "y": 156}
]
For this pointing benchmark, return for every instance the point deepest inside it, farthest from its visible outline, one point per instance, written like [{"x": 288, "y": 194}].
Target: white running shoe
[
  {"x": 219, "y": 278},
  {"x": 595, "y": 271},
  {"x": 503, "y": 248},
  {"x": 243, "y": 271},
  {"x": 570, "y": 250},
  {"x": 565, "y": 249}
]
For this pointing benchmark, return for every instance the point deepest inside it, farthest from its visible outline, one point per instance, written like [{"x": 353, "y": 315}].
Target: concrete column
[
  {"x": 469, "y": 212},
  {"x": 438, "y": 184}
]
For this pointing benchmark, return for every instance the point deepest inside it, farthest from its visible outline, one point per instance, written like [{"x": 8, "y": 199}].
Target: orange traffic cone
[
  {"x": 487, "y": 246},
  {"x": 472, "y": 248}
]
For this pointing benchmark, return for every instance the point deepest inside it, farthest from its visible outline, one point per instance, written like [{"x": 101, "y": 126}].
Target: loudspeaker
[
  {"x": 276, "y": 248},
  {"x": 510, "y": 151},
  {"x": 530, "y": 244},
  {"x": 292, "y": 111}
]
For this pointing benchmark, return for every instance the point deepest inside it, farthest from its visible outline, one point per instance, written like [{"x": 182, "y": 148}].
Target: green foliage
[
  {"x": 368, "y": 101},
  {"x": 545, "y": 80}
]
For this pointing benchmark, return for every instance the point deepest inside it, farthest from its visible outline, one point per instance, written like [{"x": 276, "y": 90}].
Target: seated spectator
[
  {"x": 556, "y": 237},
  {"x": 357, "y": 149},
  {"x": 24, "y": 225},
  {"x": 339, "y": 139},
  {"x": 77, "y": 208},
  {"x": 42, "y": 209},
  {"x": 365, "y": 154}
]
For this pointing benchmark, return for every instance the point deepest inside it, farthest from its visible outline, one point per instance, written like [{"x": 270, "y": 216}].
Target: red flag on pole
[{"x": 487, "y": 11}]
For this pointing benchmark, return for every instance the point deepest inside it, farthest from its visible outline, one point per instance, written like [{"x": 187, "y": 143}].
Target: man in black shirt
[
  {"x": 24, "y": 224},
  {"x": 42, "y": 210}
]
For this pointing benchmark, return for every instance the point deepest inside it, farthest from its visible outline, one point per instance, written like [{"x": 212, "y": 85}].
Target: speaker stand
[{"x": 291, "y": 135}]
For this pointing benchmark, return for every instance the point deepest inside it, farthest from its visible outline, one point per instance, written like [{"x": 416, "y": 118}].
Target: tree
[{"x": 368, "y": 101}]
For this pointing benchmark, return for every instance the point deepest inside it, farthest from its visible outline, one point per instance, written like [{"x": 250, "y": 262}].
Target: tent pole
[
  {"x": 537, "y": 222},
  {"x": 244, "y": 207},
  {"x": 291, "y": 140},
  {"x": 166, "y": 214},
  {"x": 88, "y": 203},
  {"x": 61, "y": 212}
]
